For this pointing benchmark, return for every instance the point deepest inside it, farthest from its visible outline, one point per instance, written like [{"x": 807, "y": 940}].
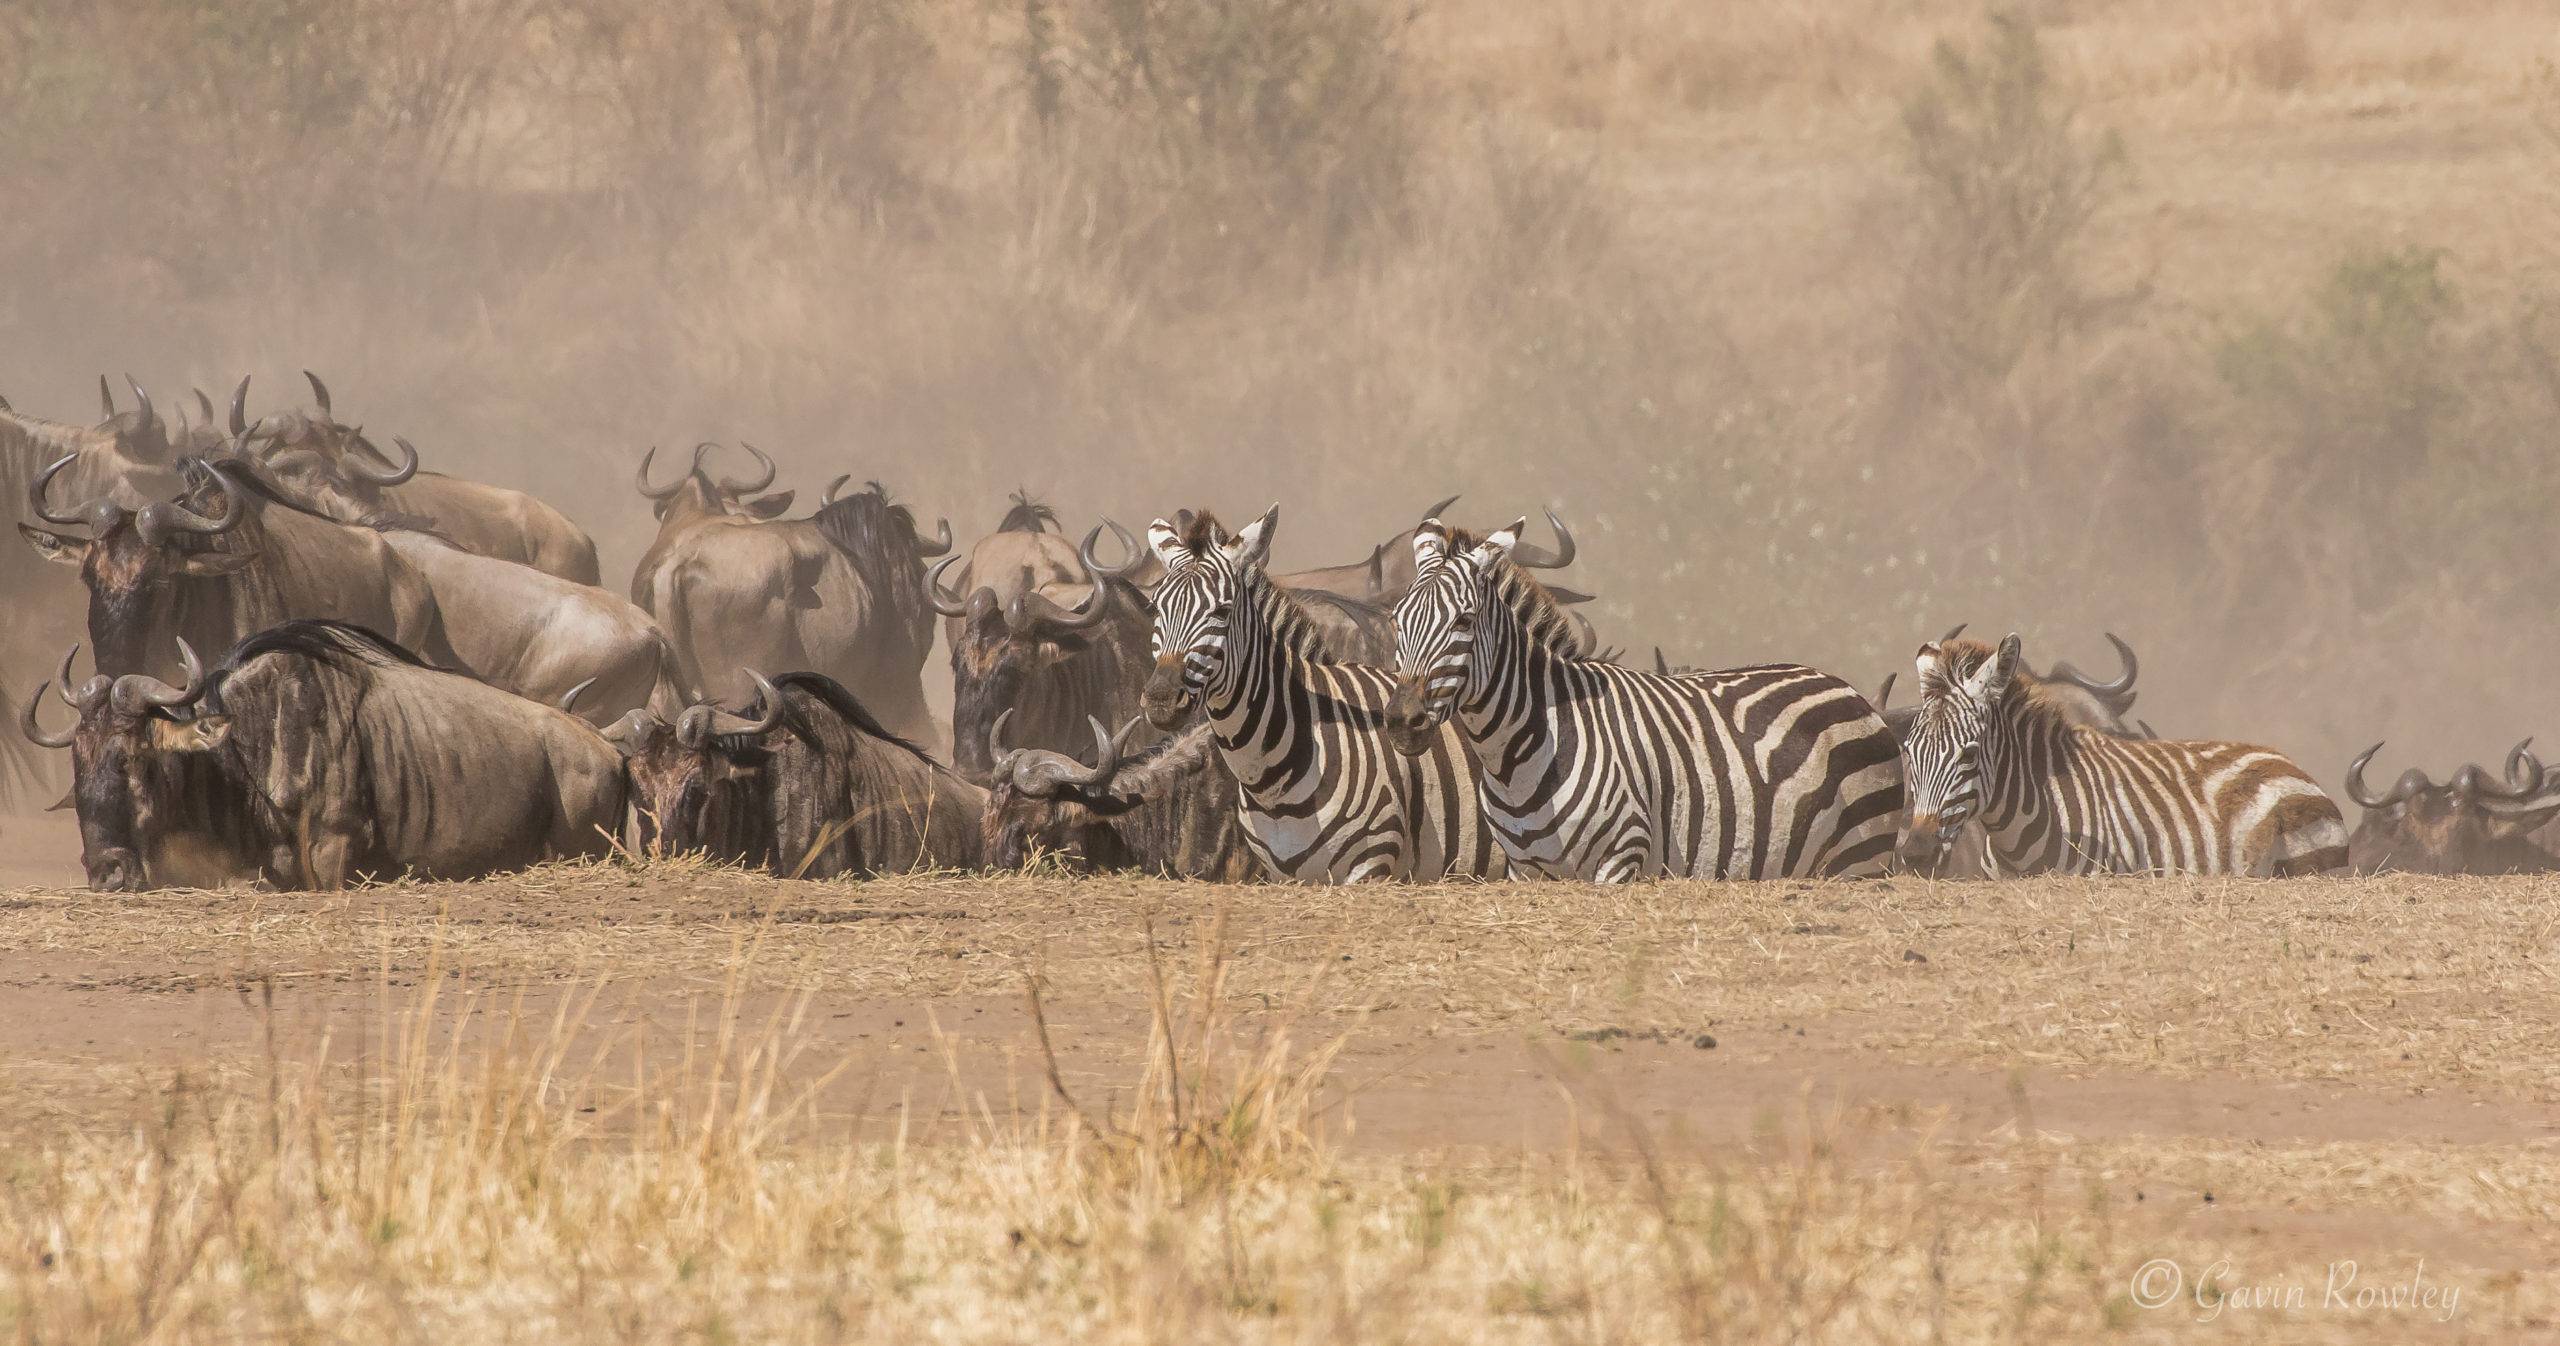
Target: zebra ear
[
  {"x": 1991, "y": 680},
  {"x": 1430, "y": 542},
  {"x": 1252, "y": 545},
  {"x": 1930, "y": 664},
  {"x": 1497, "y": 544},
  {"x": 1165, "y": 541}
]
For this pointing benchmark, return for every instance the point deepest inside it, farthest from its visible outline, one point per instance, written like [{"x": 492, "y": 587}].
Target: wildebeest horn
[
  {"x": 1440, "y": 510},
  {"x": 204, "y": 404},
  {"x": 65, "y": 675},
  {"x": 1127, "y": 543},
  {"x": 36, "y": 493},
  {"x": 2518, "y": 757},
  {"x": 944, "y": 601},
  {"x": 1539, "y": 558},
  {"x": 147, "y": 422},
  {"x": 2524, "y": 778},
  {"x": 1954, "y": 631},
  {"x": 320, "y": 394},
  {"x": 940, "y": 546},
  {"x": 2411, "y": 781},
  {"x": 1040, "y": 773},
  {"x": 569, "y": 699},
  {"x": 641, "y": 477},
  {"x": 394, "y": 475},
  {"x": 1884, "y": 694},
  {"x": 136, "y": 690},
  {"x": 1032, "y": 611},
  {"x": 106, "y": 398},
  {"x": 240, "y": 409},
  {"x": 995, "y": 738},
  {"x": 2120, "y": 690},
  {"x": 35, "y": 732},
  {"x": 751, "y": 487},
  {"x": 170, "y": 516},
  {"x": 828, "y": 496},
  {"x": 1661, "y": 663},
  {"x": 769, "y": 697}
]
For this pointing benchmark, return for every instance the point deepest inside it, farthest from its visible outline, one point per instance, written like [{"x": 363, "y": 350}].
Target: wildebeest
[
  {"x": 1017, "y": 653},
  {"x": 807, "y": 783},
  {"x": 1168, "y": 810},
  {"x": 696, "y": 498},
  {"x": 354, "y": 759},
  {"x": 526, "y": 630},
  {"x": 2468, "y": 825},
  {"x": 172, "y": 570},
  {"x": 840, "y": 593},
  {"x": 490, "y": 520}
]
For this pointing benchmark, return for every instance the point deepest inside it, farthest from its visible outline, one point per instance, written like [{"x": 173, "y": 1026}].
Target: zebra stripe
[
  {"x": 2057, "y": 797},
  {"x": 1593, "y": 771},
  {"x": 1324, "y": 798}
]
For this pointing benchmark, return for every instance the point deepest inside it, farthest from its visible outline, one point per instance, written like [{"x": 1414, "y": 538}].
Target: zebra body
[
  {"x": 1323, "y": 798},
  {"x": 1593, "y": 771},
  {"x": 2058, "y": 797}
]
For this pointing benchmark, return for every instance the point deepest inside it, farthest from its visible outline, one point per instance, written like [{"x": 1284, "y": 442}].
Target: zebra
[
  {"x": 1598, "y": 772},
  {"x": 1324, "y": 799},
  {"x": 2055, "y": 796}
]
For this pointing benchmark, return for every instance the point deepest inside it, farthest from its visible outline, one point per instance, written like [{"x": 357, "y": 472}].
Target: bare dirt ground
[{"x": 2272, "y": 1079}]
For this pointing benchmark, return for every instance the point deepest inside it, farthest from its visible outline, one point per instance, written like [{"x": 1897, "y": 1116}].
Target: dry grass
[{"x": 459, "y": 1159}]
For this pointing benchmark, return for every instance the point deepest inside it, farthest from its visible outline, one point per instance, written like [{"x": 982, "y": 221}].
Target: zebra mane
[
  {"x": 1963, "y": 657},
  {"x": 1295, "y": 631},
  {"x": 1541, "y": 617}
]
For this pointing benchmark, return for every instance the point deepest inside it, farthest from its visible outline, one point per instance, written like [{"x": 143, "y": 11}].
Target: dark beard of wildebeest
[
  {"x": 1016, "y": 653},
  {"x": 2105, "y": 706},
  {"x": 355, "y": 759},
  {"x": 806, "y": 784},
  {"x": 125, "y": 459},
  {"x": 229, "y": 558},
  {"x": 2468, "y": 825},
  {"x": 840, "y": 593},
  {"x": 489, "y": 520},
  {"x": 148, "y": 818},
  {"x": 1169, "y": 810}
]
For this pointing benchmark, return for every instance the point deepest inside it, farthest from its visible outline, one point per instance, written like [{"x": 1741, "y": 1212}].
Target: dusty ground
[{"x": 2281, "y": 1078}]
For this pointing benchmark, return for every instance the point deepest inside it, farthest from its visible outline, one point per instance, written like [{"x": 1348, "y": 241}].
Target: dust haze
[{"x": 2227, "y": 327}]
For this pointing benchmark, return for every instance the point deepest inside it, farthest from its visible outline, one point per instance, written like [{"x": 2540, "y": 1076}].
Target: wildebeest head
[
  {"x": 2468, "y": 825},
  {"x": 695, "y": 784},
  {"x": 1028, "y": 653},
  {"x": 139, "y": 564},
  {"x": 1043, "y": 802},
  {"x": 701, "y": 493},
  {"x": 135, "y": 750}
]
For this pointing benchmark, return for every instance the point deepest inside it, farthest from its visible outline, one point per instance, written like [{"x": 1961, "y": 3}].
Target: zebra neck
[
  {"x": 2015, "y": 802},
  {"x": 1504, "y": 707},
  {"x": 1269, "y": 647}
]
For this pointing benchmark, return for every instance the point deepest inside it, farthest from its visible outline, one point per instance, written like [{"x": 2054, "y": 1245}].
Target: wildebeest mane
[
  {"x": 879, "y": 537},
  {"x": 1028, "y": 516},
  {"x": 331, "y": 642},
  {"x": 840, "y": 699},
  {"x": 395, "y": 521}
]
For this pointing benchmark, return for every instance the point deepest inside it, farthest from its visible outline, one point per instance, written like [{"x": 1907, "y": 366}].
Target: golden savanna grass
[{"x": 609, "y": 1103}]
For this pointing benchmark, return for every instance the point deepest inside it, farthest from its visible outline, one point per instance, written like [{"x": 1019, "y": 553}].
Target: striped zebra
[
  {"x": 2059, "y": 797},
  {"x": 1593, "y": 771},
  {"x": 1324, "y": 799}
]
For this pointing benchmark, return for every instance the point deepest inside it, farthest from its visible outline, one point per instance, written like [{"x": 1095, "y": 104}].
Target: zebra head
[
  {"x": 1205, "y": 573},
  {"x": 1436, "y": 628},
  {"x": 1962, "y": 683}
]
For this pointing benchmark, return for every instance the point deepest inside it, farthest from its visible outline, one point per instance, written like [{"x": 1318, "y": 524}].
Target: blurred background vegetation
[{"x": 2226, "y": 326}]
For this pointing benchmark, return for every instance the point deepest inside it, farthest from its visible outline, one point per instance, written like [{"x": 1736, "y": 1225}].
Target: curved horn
[
  {"x": 240, "y": 409},
  {"x": 996, "y": 753},
  {"x": 1441, "y": 510},
  {"x": 1954, "y": 631},
  {"x": 106, "y": 399},
  {"x": 204, "y": 404},
  {"x": 2524, "y": 776},
  {"x": 36, "y": 494},
  {"x": 2409, "y": 783},
  {"x": 320, "y": 394},
  {"x": 1031, "y": 610},
  {"x": 2121, "y": 688},
  {"x": 770, "y": 698},
  {"x": 940, "y": 546},
  {"x": 828, "y": 496},
  {"x": 407, "y": 467},
  {"x": 65, "y": 676},
  {"x": 169, "y": 516},
  {"x": 1884, "y": 694},
  {"x": 640, "y": 478},
  {"x": 569, "y": 699},
  {"x": 136, "y": 690},
  {"x": 35, "y": 732},
  {"x": 2518, "y": 756},
  {"x": 1540, "y": 558},
  {"x": 739, "y": 487},
  {"x": 147, "y": 427},
  {"x": 944, "y": 601},
  {"x": 1661, "y": 663},
  {"x": 1128, "y": 544}
]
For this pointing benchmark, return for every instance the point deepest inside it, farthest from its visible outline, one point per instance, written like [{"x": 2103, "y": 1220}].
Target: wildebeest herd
[{"x": 412, "y": 674}]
